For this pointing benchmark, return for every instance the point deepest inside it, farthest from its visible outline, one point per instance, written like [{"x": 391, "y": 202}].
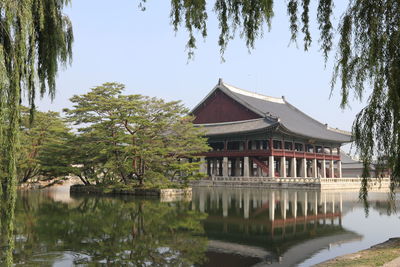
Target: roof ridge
[
  {"x": 338, "y": 130},
  {"x": 253, "y": 94},
  {"x": 228, "y": 122}
]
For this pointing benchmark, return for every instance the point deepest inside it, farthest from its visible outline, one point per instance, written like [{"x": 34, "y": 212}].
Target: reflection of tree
[{"x": 113, "y": 231}]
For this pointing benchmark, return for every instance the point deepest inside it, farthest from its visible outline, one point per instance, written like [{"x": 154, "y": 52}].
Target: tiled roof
[
  {"x": 349, "y": 163},
  {"x": 237, "y": 126},
  {"x": 290, "y": 118}
]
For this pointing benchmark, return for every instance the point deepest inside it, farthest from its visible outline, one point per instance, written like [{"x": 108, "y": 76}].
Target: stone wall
[{"x": 92, "y": 189}]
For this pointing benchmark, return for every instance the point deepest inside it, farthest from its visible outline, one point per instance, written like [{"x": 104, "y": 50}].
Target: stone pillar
[
  {"x": 332, "y": 169},
  {"x": 259, "y": 171},
  {"x": 225, "y": 167},
  {"x": 203, "y": 165},
  {"x": 220, "y": 169},
  {"x": 283, "y": 167},
  {"x": 293, "y": 168},
  {"x": 246, "y": 167},
  {"x": 314, "y": 168},
  {"x": 238, "y": 171},
  {"x": 339, "y": 166},
  {"x": 323, "y": 166},
  {"x": 304, "y": 167},
  {"x": 214, "y": 167},
  {"x": 271, "y": 166}
]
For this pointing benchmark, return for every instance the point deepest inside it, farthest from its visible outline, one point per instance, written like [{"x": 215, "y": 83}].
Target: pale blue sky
[{"x": 114, "y": 41}]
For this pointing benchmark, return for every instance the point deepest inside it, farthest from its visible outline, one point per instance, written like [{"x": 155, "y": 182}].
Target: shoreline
[
  {"x": 385, "y": 254},
  {"x": 92, "y": 189}
]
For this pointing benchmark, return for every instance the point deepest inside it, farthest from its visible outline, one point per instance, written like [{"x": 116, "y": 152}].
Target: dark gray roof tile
[
  {"x": 237, "y": 126},
  {"x": 289, "y": 116}
]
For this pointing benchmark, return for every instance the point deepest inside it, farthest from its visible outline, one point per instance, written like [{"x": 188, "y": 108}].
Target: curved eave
[
  {"x": 261, "y": 130},
  {"x": 235, "y": 128},
  {"x": 282, "y": 128}
]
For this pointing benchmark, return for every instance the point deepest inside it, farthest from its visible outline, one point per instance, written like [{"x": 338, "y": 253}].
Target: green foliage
[
  {"x": 248, "y": 18},
  {"x": 42, "y": 142},
  {"x": 35, "y": 37},
  {"x": 133, "y": 138}
]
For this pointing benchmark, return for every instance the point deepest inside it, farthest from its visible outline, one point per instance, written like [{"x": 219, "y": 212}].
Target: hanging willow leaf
[
  {"x": 305, "y": 19},
  {"x": 35, "y": 37},
  {"x": 292, "y": 12},
  {"x": 325, "y": 8},
  {"x": 367, "y": 56}
]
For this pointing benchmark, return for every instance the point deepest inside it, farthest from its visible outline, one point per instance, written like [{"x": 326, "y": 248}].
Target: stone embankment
[{"x": 92, "y": 189}]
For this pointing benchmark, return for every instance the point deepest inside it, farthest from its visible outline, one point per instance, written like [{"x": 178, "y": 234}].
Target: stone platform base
[{"x": 322, "y": 183}]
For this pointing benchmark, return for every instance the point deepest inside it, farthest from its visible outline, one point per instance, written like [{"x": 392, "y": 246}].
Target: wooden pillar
[
  {"x": 339, "y": 166},
  {"x": 271, "y": 166},
  {"x": 293, "y": 168},
  {"x": 283, "y": 167},
  {"x": 332, "y": 169}
]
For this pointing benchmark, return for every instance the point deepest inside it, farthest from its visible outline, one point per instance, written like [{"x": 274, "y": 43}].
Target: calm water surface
[{"x": 218, "y": 227}]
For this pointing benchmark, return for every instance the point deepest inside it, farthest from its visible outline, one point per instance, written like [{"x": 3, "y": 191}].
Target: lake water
[{"x": 218, "y": 227}]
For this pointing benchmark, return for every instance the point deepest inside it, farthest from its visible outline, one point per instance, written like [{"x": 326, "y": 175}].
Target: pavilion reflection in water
[{"x": 281, "y": 226}]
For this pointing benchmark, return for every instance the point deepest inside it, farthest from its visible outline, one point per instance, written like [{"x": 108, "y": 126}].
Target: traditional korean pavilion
[{"x": 256, "y": 135}]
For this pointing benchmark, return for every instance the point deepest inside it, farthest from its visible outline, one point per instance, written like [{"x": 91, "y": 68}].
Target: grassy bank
[{"x": 377, "y": 255}]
